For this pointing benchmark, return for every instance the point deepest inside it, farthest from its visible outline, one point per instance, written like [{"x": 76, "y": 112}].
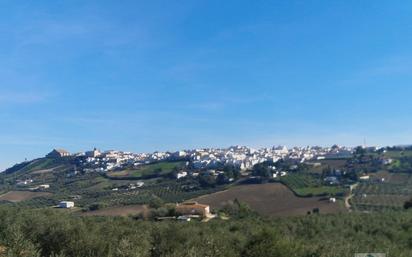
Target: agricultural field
[
  {"x": 309, "y": 185},
  {"x": 160, "y": 169},
  {"x": 92, "y": 189},
  {"x": 377, "y": 202},
  {"x": 391, "y": 193},
  {"x": 272, "y": 199},
  {"x": 398, "y": 154},
  {"x": 18, "y": 196},
  {"x": 167, "y": 192}
]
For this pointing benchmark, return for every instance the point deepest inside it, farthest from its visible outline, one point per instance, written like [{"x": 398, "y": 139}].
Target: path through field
[{"x": 347, "y": 199}]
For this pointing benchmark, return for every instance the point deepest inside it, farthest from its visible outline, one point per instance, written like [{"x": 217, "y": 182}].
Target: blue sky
[{"x": 167, "y": 75}]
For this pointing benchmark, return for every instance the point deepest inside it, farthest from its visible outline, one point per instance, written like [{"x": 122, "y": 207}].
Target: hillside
[
  {"x": 91, "y": 190},
  {"x": 44, "y": 182}
]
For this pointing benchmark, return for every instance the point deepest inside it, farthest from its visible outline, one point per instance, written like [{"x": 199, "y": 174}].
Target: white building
[
  {"x": 95, "y": 153},
  {"x": 181, "y": 174},
  {"x": 45, "y": 186},
  {"x": 66, "y": 204},
  {"x": 366, "y": 177}
]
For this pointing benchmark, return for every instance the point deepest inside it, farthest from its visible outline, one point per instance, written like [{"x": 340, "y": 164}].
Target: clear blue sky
[{"x": 165, "y": 75}]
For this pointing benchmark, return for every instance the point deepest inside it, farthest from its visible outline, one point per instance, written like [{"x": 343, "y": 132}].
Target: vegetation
[
  {"x": 29, "y": 229},
  {"x": 306, "y": 185},
  {"x": 30, "y": 233},
  {"x": 375, "y": 194},
  {"x": 156, "y": 169},
  {"x": 95, "y": 190}
]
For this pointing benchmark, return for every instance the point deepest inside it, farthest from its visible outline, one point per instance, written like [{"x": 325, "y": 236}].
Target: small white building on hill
[{"x": 66, "y": 204}]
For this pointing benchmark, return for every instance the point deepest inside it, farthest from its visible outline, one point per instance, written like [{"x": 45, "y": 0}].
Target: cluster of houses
[{"x": 241, "y": 157}]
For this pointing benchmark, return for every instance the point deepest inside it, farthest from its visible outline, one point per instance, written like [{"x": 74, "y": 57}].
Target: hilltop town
[
  {"x": 241, "y": 157},
  {"x": 326, "y": 179}
]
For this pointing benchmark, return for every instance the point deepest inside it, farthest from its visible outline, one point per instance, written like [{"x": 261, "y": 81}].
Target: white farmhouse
[{"x": 66, "y": 204}]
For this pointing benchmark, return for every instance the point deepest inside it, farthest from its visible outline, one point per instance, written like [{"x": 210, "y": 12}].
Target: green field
[
  {"x": 398, "y": 154},
  {"x": 308, "y": 185},
  {"x": 161, "y": 168},
  {"x": 321, "y": 190}
]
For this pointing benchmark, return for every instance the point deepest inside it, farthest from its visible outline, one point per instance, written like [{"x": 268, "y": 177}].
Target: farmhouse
[
  {"x": 66, "y": 204},
  {"x": 58, "y": 153},
  {"x": 193, "y": 208}
]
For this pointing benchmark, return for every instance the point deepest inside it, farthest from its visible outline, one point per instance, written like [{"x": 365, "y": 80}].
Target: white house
[
  {"x": 66, "y": 204},
  {"x": 366, "y": 177},
  {"x": 181, "y": 174}
]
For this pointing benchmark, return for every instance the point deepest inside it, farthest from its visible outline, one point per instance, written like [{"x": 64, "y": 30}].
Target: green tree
[
  {"x": 269, "y": 244},
  {"x": 261, "y": 170}
]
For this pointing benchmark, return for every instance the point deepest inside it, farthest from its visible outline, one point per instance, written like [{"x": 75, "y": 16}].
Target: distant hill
[{"x": 39, "y": 165}]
